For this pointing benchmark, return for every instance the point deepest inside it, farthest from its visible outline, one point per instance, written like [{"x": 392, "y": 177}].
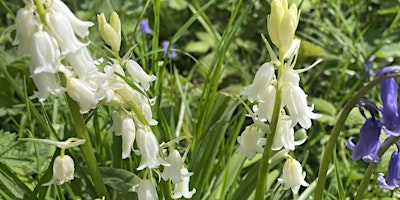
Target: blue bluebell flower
[
  {"x": 387, "y": 70},
  {"x": 368, "y": 141},
  {"x": 392, "y": 180},
  {"x": 389, "y": 106},
  {"x": 145, "y": 27},
  {"x": 172, "y": 53}
]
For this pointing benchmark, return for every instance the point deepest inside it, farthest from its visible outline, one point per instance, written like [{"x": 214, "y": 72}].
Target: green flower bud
[
  {"x": 282, "y": 24},
  {"x": 111, "y": 33}
]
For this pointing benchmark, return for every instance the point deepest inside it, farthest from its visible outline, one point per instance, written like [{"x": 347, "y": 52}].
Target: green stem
[
  {"x": 372, "y": 166},
  {"x": 263, "y": 171},
  {"x": 328, "y": 152},
  {"x": 60, "y": 192},
  {"x": 156, "y": 31},
  {"x": 41, "y": 11},
  {"x": 86, "y": 149}
]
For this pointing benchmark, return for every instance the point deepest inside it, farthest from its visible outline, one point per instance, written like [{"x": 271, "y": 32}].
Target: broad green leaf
[
  {"x": 198, "y": 47},
  {"x": 177, "y": 4},
  {"x": 120, "y": 180},
  {"x": 323, "y": 106}
]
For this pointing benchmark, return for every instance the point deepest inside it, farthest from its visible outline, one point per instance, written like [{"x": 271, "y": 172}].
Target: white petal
[
  {"x": 80, "y": 27},
  {"x": 136, "y": 71}
]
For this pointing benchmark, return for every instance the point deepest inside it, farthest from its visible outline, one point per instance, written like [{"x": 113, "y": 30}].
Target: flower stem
[
  {"x": 41, "y": 11},
  {"x": 330, "y": 146},
  {"x": 372, "y": 166},
  {"x": 263, "y": 171},
  {"x": 86, "y": 149}
]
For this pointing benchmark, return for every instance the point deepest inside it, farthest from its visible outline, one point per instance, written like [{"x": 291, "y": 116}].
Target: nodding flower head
[
  {"x": 368, "y": 141},
  {"x": 63, "y": 170},
  {"x": 389, "y": 106},
  {"x": 392, "y": 180},
  {"x": 145, "y": 27}
]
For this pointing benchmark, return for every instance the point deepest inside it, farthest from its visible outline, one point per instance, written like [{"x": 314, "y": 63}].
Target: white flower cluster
[
  {"x": 276, "y": 78},
  {"x": 49, "y": 33}
]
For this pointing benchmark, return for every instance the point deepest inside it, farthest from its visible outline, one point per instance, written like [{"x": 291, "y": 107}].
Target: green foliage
[{"x": 197, "y": 95}]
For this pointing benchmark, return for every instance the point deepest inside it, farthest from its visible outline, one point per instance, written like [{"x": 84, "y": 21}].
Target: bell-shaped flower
[
  {"x": 172, "y": 52},
  {"x": 285, "y": 135},
  {"x": 80, "y": 27},
  {"x": 149, "y": 149},
  {"x": 45, "y": 55},
  {"x": 110, "y": 32},
  {"x": 182, "y": 188},
  {"x": 174, "y": 171},
  {"x": 250, "y": 142},
  {"x": 266, "y": 103},
  {"x": 282, "y": 24},
  {"x": 62, "y": 31},
  {"x": 296, "y": 101},
  {"x": 83, "y": 92},
  {"x": 368, "y": 141},
  {"x": 392, "y": 180},
  {"x": 389, "y": 106},
  {"x": 63, "y": 170},
  {"x": 138, "y": 74},
  {"x": 293, "y": 175},
  {"x": 148, "y": 114},
  {"x": 117, "y": 118},
  {"x": 46, "y": 84},
  {"x": 262, "y": 79},
  {"x": 82, "y": 62},
  {"x": 27, "y": 24},
  {"x": 145, "y": 27},
  {"x": 128, "y": 131},
  {"x": 146, "y": 190}
]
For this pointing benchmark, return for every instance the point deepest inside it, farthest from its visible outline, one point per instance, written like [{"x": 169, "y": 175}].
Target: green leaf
[
  {"x": 355, "y": 118},
  {"x": 389, "y": 51},
  {"x": 198, "y": 47},
  {"x": 177, "y": 4},
  {"x": 11, "y": 184},
  {"x": 120, "y": 180},
  {"x": 229, "y": 176},
  {"x": 323, "y": 106}
]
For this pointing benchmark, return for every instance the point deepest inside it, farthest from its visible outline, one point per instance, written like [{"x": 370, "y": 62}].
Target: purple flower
[
  {"x": 387, "y": 70},
  {"x": 389, "y": 106},
  {"x": 144, "y": 24},
  {"x": 172, "y": 53},
  {"x": 393, "y": 178},
  {"x": 368, "y": 141}
]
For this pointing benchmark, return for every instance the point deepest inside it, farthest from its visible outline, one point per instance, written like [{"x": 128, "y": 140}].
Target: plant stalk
[
  {"x": 264, "y": 167},
  {"x": 86, "y": 149},
  {"x": 330, "y": 146}
]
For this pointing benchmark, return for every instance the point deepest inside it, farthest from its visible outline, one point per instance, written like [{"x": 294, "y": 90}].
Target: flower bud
[
  {"x": 111, "y": 33},
  {"x": 282, "y": 24}
]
